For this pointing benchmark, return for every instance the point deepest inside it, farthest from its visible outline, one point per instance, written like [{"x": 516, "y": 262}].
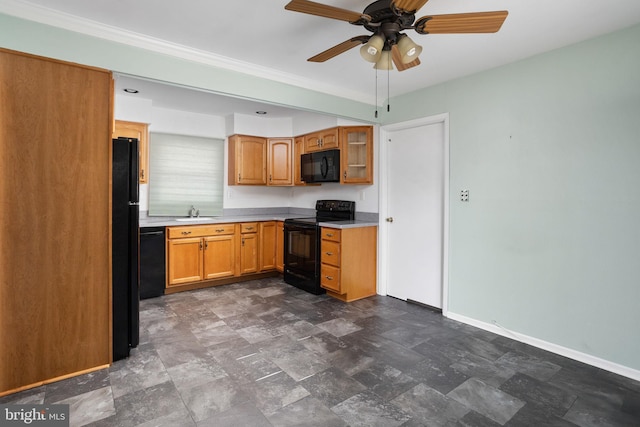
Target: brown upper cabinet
[
  {"x": 255, "y": 160},
  {"x": 247, "y": 160},
  {"x": 141, "y": 132},
  {"x": 321, "y": 140},
  {"x": 298, "y": 150},
  {"x": 356, "y": 155},
  {"x": 280, "y": 161}
]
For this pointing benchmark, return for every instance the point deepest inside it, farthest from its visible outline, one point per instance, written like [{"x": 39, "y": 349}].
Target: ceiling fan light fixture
[
  {"x": 372, "y": 49},
  {"x": 409, "y": 50},
  {"x": 384, "y": 63}
]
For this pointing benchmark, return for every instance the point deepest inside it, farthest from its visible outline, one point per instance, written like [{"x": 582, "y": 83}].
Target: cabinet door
[
  {"x": 322, "y": 140},
  {"x": 267, "y": 245},
  {"x": 140, "y": 131},
  {"x": 330, "y": 278},
  {"x": 329, "y": 138},
  {"x": 219, "y": 256},
  {"x": 247, "y": 160},
  {"x": 312, "y": 142},
  {"x": 280, "y": 161},
  {"x": 356, "y": 155},
  {"x": 249, "y": 253},
  {"x": 298, "y": 150},
  {"x": 185, "y": 260},
  {"x": 280, "y": 246}
]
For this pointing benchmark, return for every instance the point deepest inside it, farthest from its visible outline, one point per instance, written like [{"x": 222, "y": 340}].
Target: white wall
[{"x": 162, "y": 120}]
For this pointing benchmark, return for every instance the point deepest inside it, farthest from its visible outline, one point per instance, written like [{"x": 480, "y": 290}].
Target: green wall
[
  {"x": 549, "y": 149},
  {"x": 38, "y": 39}
]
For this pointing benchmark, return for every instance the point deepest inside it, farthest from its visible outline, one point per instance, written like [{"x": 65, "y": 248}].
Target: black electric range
[{"x": 302, "y": 243}]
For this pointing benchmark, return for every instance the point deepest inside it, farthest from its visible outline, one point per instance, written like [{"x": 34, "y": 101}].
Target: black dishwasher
[{"x": 152, "y": 262}]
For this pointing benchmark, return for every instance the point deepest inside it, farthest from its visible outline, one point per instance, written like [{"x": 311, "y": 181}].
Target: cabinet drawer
[
  {"x": 330, "y": 253},
  {"x": 330, "y": 278},
  {"x": 200, "y": 231},
  {"x": 332, "y": 234},
  {"x": 249, "y": 227}
]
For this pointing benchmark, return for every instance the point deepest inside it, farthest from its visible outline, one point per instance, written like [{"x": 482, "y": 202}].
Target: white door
[{"x": 415, "y": 202}]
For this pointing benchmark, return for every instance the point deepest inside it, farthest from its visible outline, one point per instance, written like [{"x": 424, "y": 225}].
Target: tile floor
[{"x": 264, "y": 353}]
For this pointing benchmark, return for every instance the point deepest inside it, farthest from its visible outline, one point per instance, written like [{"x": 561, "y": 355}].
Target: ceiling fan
[{"x": 386, "y": 19}]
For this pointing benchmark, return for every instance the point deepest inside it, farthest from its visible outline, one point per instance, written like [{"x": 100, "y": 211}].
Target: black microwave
[{"x": 321, "y": 166}]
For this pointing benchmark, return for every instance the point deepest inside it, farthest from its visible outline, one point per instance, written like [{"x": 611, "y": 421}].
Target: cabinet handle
[
  {"x": 219, "y": 230},
  {"x": 239, "y": 177},
  {"x": 142, "y": 173},
  {"x": 249, "y": 228},
  {"x": 200, "y": 244},
  {"x": 270, "y": 178},
  {"x": 329, "y": 253},
  {"x": 329, "y": 234},
  {"x": 328, "y": 277},
  {"x": 243, "y": 242},
  {"x": 185, "y": 233},
  {"x": 206, "y": 245},
  {"x": 345, "y": 174}
]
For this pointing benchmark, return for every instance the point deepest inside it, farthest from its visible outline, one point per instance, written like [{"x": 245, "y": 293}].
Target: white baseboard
[{"x": 554, "y": 348}]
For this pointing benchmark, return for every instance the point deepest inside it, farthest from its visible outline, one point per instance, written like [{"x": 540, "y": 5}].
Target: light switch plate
[{"x": 464, "y": 195}]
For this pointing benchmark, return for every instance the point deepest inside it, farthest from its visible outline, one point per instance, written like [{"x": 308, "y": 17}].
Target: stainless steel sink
[{"x": 194, "y": 219}]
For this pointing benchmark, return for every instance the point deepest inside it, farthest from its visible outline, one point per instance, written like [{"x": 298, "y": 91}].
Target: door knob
[{"x": 390, "y": 219}]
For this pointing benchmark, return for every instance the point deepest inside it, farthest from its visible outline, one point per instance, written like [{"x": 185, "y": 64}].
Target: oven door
[{"x": 301, "y": 263}]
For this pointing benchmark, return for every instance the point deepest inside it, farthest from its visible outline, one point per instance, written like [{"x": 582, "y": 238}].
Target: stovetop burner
[{"x": 330, "y": 211}]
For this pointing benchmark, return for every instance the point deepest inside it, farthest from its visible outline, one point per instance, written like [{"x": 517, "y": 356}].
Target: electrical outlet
[{"x": 464, "y": 195}]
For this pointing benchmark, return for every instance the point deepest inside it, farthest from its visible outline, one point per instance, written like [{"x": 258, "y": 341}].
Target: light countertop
[{"x": 173, "y": 222}]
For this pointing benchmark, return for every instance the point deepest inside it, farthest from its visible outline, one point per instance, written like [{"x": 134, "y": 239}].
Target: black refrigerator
[{"x": 125, "y": 247}]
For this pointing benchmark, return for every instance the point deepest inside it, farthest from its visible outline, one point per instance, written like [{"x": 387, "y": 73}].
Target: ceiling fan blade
[
  {"x": 326, "y": 11},
  {"x": 338, "y": 49},
  {"x": 397, "y": 60},
  {"x": 409, "y": 6},
  {"x": 459, "y": 23}
]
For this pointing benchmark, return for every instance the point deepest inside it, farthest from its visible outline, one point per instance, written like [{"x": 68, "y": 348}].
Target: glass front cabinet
[{"x": 356, "y": 154}]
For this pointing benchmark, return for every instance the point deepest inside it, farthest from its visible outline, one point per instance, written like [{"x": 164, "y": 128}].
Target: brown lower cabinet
[
  {"x": 348, "y": 262},
  {"x": 280, "y": 246},
  {"x": 201, "y": 253}
]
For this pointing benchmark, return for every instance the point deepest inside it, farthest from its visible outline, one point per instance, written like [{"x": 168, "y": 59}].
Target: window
[{"x": 185, "y": 171}]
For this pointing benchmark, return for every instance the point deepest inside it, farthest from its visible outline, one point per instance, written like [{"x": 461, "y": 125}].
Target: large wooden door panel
[{"x": 55, "y": 133}]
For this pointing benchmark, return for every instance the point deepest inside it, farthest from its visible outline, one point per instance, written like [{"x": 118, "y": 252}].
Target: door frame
[{"x": 383, "y": 267}]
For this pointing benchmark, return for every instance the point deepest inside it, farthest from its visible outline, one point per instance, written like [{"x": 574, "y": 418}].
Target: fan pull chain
[
  {"x": 388, "y": 90},
  {"x": 376, "y": 91}
]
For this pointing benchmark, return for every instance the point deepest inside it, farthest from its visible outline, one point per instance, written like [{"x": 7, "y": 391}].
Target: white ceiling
[{"x": 264, "y": 38}]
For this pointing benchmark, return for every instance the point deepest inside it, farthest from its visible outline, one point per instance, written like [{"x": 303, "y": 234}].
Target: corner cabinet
[
  {"x": 247, "y": 160},
  {"x": 199, "y": 256},
  {"x": 298, "y": 150},
  {"x": 356, "y": 155},
  {"x": 140, "y": 131}
]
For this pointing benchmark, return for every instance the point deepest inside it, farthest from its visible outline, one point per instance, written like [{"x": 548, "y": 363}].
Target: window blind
[{"x": 185, "y": 171}]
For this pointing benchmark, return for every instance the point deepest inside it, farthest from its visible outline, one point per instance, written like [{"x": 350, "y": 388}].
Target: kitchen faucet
[{"x": 193, "y": 212}]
